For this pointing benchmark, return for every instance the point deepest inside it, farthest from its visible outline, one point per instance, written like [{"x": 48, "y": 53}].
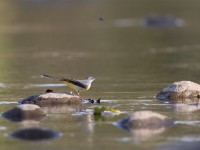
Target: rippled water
[{"x": 131, "y": 63}]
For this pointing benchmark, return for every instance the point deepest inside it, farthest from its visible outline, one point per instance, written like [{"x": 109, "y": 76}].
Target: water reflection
[
  {"x": 2, "y": 85},
  {"x": 185, "y": 122},
  {"x": 27, "y": 123},
  {"x": 129, "y": 22},
  {"x": 182, "y": 105},
  {"x": 181, "y": 108},
  {"x": 37, "y": 37},
  {"x": 146, "y": 133},
  {"x": 7, "y": 102},
  {"x": 63, "y": 109}
]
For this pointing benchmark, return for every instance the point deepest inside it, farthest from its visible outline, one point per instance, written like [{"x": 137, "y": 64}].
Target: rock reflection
[
  {"x": 185, "y": 105},
  {"x": 34, "y": 134},
  {"x": 146, "y": 132},
  {"x": 29, "y": 123},
  {"x": 60, "y": 109}
]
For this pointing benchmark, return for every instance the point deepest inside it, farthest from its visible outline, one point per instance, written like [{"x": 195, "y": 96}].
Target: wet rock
[
  {"x": 180, "y": 90},
  {"x": 145, "y": 123},
  {"x": 24, "y": 112},
  {"x": 35, "y": 133},
  {"x": 51, "y": 99}
]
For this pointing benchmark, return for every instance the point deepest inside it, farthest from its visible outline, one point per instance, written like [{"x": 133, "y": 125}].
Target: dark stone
[
  {"x": 156, "y": 20},
  {"x": 24, "y": 112},
  {"x": 192, "y": 145},
  {"x": 34, "y": 134}
]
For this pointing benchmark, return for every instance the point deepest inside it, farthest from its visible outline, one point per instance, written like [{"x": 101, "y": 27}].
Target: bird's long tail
[{"x": 50, "y": 77}]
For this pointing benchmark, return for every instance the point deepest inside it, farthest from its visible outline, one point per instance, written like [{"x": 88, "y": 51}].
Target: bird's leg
[
  {"x": 78, "y": 94},
  {"x": 74, "y": 92}
]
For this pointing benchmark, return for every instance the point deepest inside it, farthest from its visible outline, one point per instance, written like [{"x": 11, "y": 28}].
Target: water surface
[{"x": 130, "y": 62}]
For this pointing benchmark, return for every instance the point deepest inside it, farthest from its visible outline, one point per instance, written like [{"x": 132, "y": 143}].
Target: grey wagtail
[{"x": 75, "y": 85}]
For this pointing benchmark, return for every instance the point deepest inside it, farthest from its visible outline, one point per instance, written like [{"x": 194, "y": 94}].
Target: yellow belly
[
  {"x": 76, "y": 88},
  {"x": 88, "y": 87}
]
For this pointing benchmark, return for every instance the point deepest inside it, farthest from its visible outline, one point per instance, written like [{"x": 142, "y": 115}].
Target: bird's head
[{"x": 90, "y": 79}]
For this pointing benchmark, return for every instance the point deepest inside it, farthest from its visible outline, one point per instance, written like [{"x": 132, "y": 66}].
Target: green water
[{"x": 131, "y": 63}]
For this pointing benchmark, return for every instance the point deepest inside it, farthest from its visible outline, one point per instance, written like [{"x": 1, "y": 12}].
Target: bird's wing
[{"x": 75, "y": 82}]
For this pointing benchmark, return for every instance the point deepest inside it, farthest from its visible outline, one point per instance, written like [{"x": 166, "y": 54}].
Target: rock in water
[
  {"x": 24, "y": 112},
  {"x": 35, "y": 133},
  {"x": 51, "y": 99},
  {"x": 180, "y": 90},
  {"x": 145, "y": 120}
]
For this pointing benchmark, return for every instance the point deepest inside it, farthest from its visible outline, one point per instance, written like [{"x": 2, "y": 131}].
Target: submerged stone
[
  {"x": 35, "y": 133},
  {"x": 191, "y": 143},
  {"x": 51, "y": 99},
  {"x": 24, "y": 112},
  {"x": 156, "y": 20},
  {"x": 180, "y": 90},
  {"x": 145, "y": 123}
]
